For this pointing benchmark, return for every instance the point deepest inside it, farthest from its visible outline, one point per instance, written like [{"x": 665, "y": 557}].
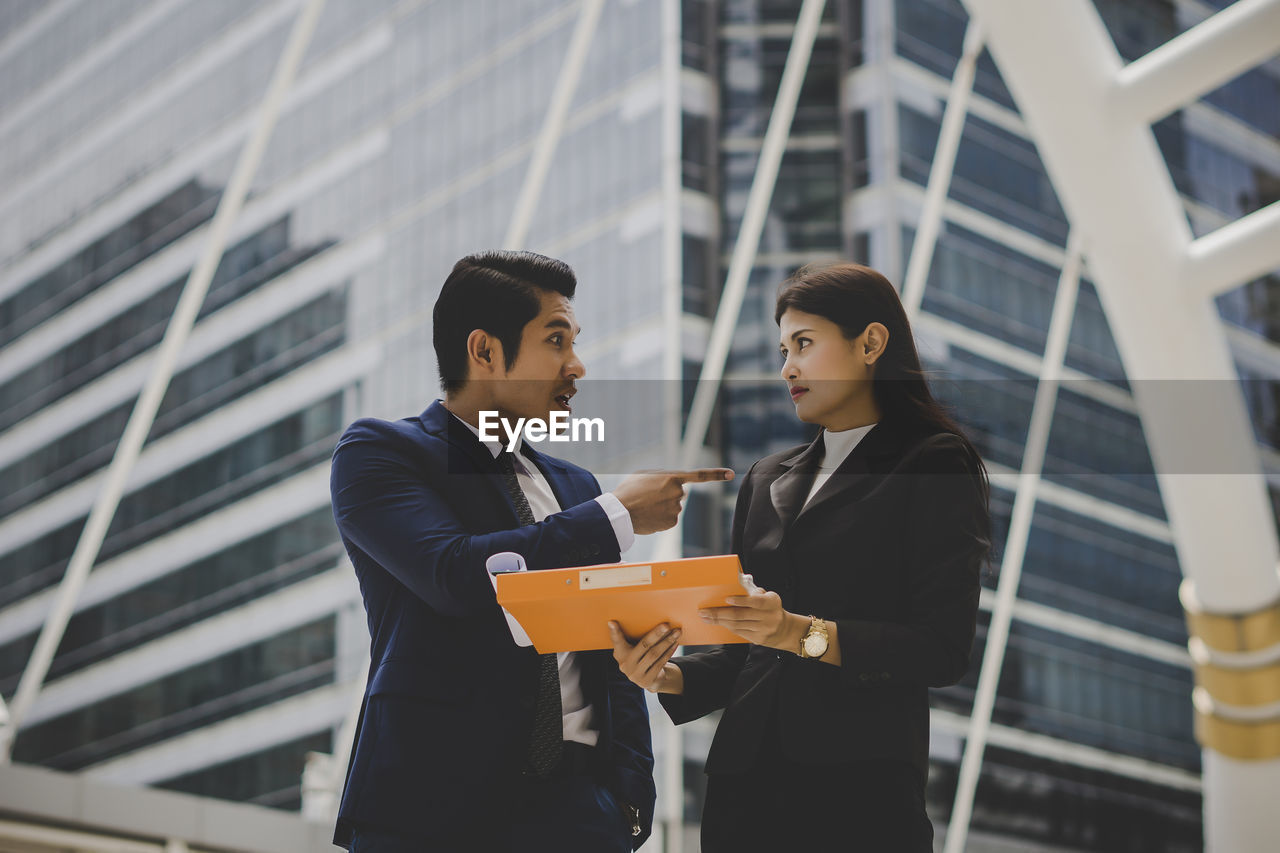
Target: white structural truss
[{"x": 1090, "y": 116}]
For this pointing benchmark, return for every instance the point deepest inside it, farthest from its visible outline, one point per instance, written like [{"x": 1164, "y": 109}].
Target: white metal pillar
[
  {"x": 1062, "y": 68},
  {"x": 553, "y": 123},
  {"x": 735, "y": 290},
  {"x": 144, "y": 411},
  {"x": 1024, "y": 503},
  {"x": 744, "y": 250},
  {"x": 1197, "y": 61},
  {"x": 940, "y": 170}
]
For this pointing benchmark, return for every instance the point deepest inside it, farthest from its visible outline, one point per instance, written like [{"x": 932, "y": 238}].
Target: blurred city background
[{"x": 219, "y": 642}]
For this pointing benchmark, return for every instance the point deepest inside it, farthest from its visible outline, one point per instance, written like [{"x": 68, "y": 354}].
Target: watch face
[{"x": 815, "y": 645}]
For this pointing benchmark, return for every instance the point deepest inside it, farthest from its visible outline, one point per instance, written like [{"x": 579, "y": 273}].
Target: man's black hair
[{"x": 499, "y": 292}]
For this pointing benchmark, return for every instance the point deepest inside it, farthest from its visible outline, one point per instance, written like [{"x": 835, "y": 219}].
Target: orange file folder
[{"x": 568, "y": 610}]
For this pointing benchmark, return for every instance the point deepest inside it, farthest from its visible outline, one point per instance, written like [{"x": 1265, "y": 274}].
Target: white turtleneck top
[{"x": 836, "y": 446}]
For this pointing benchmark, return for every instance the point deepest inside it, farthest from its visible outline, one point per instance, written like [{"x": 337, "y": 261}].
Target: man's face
[{"x": 542, "y": 379}]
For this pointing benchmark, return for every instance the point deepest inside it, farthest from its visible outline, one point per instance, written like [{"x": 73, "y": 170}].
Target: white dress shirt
[
  {"x": 836, "y": 447},
  {"x": 542, "y": 501}
]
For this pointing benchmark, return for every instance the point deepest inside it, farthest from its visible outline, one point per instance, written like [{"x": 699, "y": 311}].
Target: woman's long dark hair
[{"x": 853, "y": 296}]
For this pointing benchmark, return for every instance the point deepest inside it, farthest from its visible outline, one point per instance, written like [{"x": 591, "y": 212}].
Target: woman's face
[{"x": 829, "y": 376}]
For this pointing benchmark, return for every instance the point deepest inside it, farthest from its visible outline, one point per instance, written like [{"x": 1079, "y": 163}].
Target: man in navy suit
[{"x": 467, "y": 741}]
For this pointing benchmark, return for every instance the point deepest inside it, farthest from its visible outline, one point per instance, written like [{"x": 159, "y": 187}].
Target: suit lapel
[
  {"x": 466, "y": 454},
  {"x": 856, "y": 472},
  {"x": 852, "y": 472},
  {"x": 789, "y": 490}
]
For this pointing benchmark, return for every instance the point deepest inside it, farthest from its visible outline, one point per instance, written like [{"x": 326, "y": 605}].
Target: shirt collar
[{"x": 494, "y": 447}]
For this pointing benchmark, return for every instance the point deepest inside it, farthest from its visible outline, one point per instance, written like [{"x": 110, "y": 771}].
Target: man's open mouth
[{"x": 563, "y": 400}]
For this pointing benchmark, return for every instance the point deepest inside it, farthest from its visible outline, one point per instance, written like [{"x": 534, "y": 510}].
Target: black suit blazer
[{"x": 890, "y": 549}]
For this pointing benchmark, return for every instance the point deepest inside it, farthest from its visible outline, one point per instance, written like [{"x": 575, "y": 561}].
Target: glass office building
[{"x": 221, "y": 636}]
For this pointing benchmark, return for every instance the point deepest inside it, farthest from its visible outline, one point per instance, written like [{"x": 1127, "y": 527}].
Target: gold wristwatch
[{"x": 814, "y": 643}]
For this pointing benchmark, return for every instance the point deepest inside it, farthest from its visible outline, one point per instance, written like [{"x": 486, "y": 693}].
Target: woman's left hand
[{"x": 759, "y": 617}]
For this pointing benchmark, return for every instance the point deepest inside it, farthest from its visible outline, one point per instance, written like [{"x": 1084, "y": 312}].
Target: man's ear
[
  {"x": 875, "y": 339},
  {"x": 484, "y": 353}
]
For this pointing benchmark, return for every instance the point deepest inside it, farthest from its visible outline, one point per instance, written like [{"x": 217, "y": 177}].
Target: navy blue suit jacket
[{"x": 449, "y": 703}]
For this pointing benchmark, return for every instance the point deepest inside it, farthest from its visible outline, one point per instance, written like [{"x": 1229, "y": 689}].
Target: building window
[
  {"x": 249, "y": 677},
  {"x": 270, "y": 778}
]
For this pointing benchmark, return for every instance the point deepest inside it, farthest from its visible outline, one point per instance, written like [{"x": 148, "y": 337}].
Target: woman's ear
[{"x": 875, "y": 339}]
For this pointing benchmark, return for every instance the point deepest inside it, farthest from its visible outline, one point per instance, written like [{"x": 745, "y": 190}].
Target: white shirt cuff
[{"x": 620, "y": 519}]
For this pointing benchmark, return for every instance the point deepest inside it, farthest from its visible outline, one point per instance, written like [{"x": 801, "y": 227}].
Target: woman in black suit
[{"x": 866, "y": 546}]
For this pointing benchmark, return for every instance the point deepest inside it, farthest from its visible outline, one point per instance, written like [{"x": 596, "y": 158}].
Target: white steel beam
[
  {"x": 143, "y": 416},
  {"x": 744, "y": 251},
  {"x": 1234, "y": 254},
  {"x": 1113, "y": 181},
  {"x": 1024, "y": 501},
  {"x": 35, "y": 837},
  {"x": 1061, "y": 66},
  {"x": 940, "y": 170},
  {"x": 1197, "y": 61},
  {"x": 553, "y": 124},
  {"x": 735, "y": 290}
]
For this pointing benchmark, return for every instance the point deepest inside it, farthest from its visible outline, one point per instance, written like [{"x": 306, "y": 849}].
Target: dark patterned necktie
[{"x": 547, "y": 739}]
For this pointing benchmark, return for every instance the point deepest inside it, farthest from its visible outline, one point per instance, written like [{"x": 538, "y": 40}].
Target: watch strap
[{"x": 817, "y": 627}]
